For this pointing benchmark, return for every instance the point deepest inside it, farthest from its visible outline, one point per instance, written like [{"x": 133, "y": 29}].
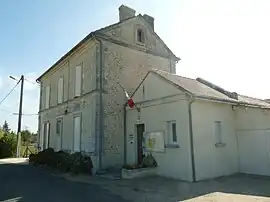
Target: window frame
[
  {"x": 172, "y": 138},
  {"x": 59, "y": 128},
  {"x": 140, "y": 36},
  {"x": 77, "y": 115}
]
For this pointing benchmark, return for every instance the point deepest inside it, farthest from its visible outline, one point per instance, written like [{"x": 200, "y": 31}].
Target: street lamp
[{"x": 13, "y": 78}]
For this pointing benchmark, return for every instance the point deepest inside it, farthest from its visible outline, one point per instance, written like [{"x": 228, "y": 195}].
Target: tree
[
  {"x": 26, "y": 136},
  {"x": 6, "y": 128}
]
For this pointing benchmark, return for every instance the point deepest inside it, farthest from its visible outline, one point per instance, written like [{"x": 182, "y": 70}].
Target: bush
[
  {"x": 65, "y": 162},
  {"x": 148, "y": 162},
  {"x": 7, "y": 147}
]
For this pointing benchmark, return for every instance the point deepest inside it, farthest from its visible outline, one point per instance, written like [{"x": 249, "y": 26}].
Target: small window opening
[{"x": 140, "y": 36}]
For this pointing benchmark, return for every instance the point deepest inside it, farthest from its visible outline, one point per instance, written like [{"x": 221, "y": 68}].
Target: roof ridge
[{"x": 173, "y": 74}]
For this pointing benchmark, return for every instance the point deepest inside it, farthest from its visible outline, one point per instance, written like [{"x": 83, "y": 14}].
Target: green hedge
[{"x": 65, "y": 162}]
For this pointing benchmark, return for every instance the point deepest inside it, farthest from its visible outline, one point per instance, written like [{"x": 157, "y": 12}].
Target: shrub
[
  {"x": 7, "y": 146},
  {"x": 148, "y": 162},
  {"x": 65, "y": 162}
]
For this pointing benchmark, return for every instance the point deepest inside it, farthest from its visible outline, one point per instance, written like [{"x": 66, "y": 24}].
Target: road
[{"x": 25, "y": 183}]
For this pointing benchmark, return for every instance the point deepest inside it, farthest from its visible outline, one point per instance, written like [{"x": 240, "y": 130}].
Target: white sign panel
[{"x": 154, "y": 141}]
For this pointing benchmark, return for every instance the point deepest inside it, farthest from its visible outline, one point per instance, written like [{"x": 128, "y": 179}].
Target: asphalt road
[{"x": 25, "y": 183}]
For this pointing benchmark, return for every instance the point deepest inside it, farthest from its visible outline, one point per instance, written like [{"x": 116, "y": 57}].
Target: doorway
[
  {"x": 46, "y": 139},
  {"x": 77, "y": 134},
  {"x": 140, "y": 130}
]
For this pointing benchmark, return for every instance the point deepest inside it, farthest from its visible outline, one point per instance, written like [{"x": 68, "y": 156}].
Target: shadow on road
[{"x": 25, "y": 183}]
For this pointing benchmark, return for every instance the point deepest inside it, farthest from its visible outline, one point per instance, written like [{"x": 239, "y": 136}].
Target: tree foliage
[
  {"x": 6, "y": 128},
  {"x": 8, "y": 140}
]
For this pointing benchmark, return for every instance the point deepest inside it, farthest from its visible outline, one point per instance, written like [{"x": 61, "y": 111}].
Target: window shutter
[
  {"x": 47, "y": 97},
  {"x": 78, "y": 81},
  {"x": 60, "y": 89}
]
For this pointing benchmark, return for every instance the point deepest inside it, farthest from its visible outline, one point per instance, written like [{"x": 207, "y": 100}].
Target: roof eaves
[
  {"x": 67, "y": 54},
  {"x": 81, "y": 42},
  {"x": 230, "y": 101}
]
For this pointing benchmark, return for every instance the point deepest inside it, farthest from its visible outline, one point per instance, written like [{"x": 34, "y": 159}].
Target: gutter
[
  {"x": 101, "y": 115},
  {"x": 191, "y": 140}
]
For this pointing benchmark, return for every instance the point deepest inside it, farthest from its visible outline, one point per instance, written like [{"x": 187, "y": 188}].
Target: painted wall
[
  {"x": 85, "y": 56},
  {"x": 87, "y": 110},
  {"x": 252, "y": 118},
  {"x": 212, "y": 161},
  {"x": 253, "y": 135},
  {"x": 171, "y": 105},
  {"x": 174, "y": 162},
  {"x": 85, "y": 105}
]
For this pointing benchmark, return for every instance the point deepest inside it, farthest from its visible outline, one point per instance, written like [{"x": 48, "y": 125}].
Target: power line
[
  {"x": 26, "y": 114},
  {"x": 32, "y": 82},
  {"x": 10, "y": 92}
]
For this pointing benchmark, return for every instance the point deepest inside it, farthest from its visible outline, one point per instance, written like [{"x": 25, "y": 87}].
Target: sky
[{"x": 224, "y": 41}]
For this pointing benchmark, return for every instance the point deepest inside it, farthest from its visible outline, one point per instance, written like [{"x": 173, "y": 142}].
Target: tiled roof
[{"x": 198, "y": 89}]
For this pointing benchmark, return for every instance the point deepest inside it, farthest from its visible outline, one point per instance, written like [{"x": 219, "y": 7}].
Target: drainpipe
[
  {"x": 101, "y": 115},
  {"x": 191, "y": 140},
  {"x": 125, "y": 135}
]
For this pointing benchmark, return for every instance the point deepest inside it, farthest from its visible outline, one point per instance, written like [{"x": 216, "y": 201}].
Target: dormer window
[{"x": 140, "y": 36}]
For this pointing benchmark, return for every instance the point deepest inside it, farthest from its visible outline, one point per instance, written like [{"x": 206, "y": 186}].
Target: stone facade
[{"x": 124, "y": 60}]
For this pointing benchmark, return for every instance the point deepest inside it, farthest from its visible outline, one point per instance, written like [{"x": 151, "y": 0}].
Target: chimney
[
  {"x": 149, "y": 19},
  {"x": 125, "y": 12}
]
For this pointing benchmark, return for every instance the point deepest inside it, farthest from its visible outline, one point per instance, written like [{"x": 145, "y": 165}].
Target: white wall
[
  {"x": 174, "y": 162},
  {"x": 212, "y": 161}
]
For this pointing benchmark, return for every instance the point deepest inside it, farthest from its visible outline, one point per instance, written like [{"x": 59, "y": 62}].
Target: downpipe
[
  {"x": 101, "y": 115},
  {"x": 191, "y": 140}
]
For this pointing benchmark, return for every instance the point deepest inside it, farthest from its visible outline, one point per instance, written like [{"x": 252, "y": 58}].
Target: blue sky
[{"x": 226, "y": 42}]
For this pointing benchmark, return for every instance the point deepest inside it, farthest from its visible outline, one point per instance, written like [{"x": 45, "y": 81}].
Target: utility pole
[{"x": 20, "y": 120}]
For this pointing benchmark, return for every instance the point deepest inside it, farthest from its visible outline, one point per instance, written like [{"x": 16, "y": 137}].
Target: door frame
[
  {"x": 60, "y": 118},
  {"x": 136, "y": 146},
  {"x": 46, "y": 135}
]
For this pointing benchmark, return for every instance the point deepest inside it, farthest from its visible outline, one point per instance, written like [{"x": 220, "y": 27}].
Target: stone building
[{"x": 81, "y": 102}]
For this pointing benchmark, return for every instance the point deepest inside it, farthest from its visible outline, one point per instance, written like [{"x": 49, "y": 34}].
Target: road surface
[{"x": 25, "y": 183}]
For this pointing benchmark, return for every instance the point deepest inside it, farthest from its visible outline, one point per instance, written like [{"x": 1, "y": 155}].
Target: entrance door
[
  {"x": 140, "y": 131},
  {"x": 77, "y": 134},
  {"x": 59, "y": 137}
]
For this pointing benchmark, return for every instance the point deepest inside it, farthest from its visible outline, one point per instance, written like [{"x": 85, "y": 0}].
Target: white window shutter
[
  {"x": 47, "y": 97},
  {"x": 78, "y": 81},
  {"x": 60, "y": 90}
]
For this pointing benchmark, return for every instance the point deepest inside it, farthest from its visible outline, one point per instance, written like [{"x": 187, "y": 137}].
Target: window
[
  {"x": 78, "y": 81},
  {"x": 218, "y": 132},
  {"x": 47, "y": 97},
  {"x": 140, "y": 36},
  {"x": 172, "y": 132},
  {"x": 58, "y": 126},
  {"x": 60, "y": 90}
]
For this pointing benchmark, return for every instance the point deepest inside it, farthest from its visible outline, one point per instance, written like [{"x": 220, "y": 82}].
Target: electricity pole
[{"x": 20, "y": 120}]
